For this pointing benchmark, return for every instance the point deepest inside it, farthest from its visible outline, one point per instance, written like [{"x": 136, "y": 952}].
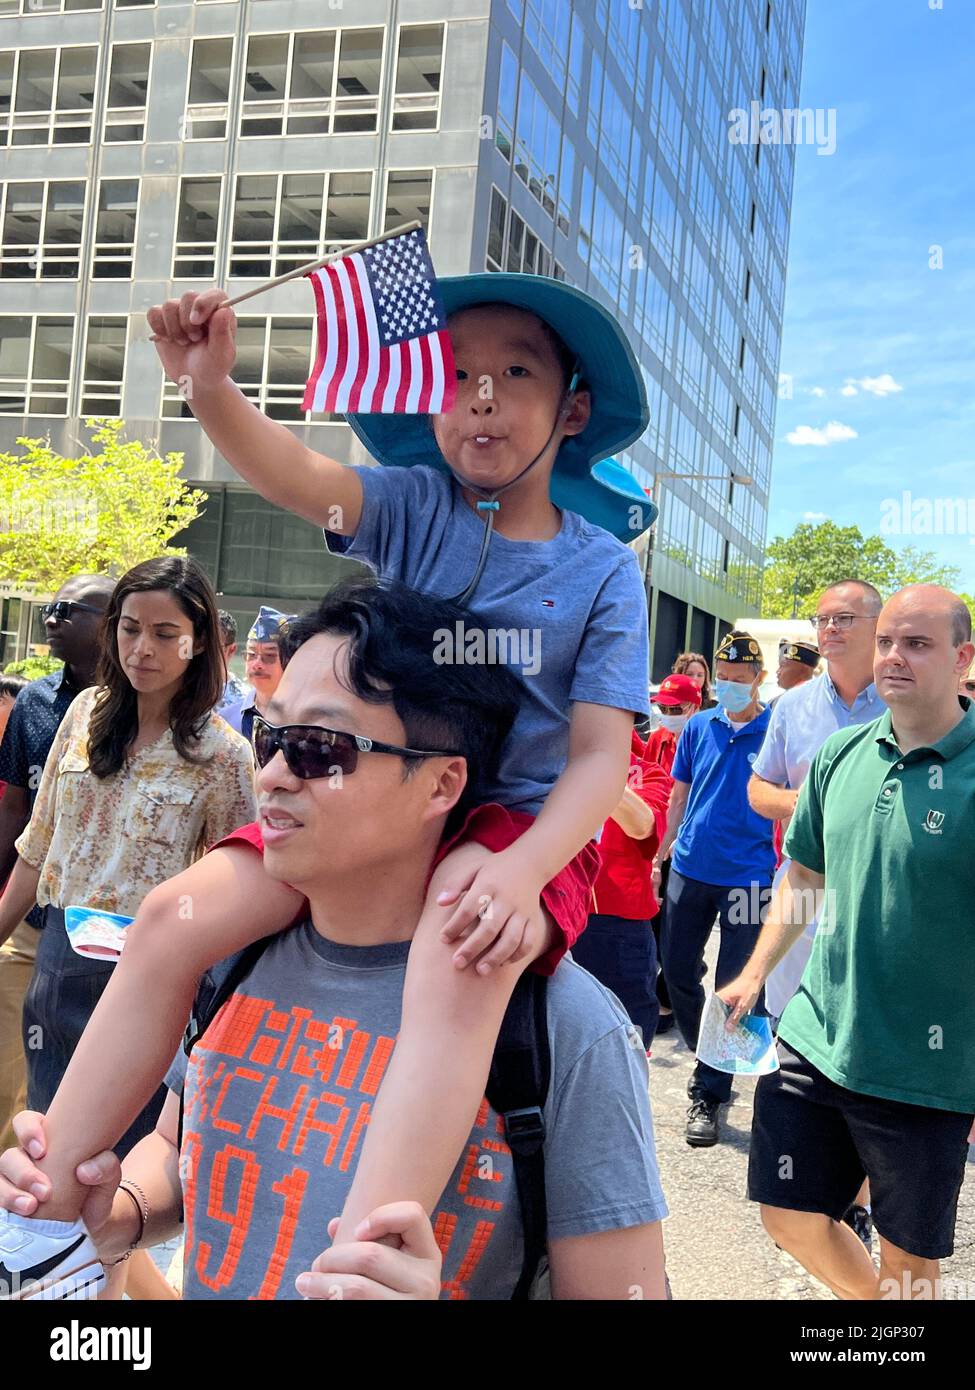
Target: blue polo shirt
[
  {"x": 721, "y": 840},
  {"x": 34, "y": 720}
]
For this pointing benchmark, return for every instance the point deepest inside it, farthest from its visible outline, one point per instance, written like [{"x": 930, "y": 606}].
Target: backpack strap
[
  {"x": 517, "y": 1089},
  {"x": 216, "y": 987}
]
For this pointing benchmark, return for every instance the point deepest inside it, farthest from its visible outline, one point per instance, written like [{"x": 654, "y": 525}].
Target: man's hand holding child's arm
[{"x": 503, "y": 896}]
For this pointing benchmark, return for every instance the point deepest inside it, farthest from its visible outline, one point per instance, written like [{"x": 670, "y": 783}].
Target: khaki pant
[{"x": 16, "y": 967}]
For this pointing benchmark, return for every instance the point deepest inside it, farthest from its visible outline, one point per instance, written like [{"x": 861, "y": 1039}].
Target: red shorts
[{"x": 568, "y": 897}]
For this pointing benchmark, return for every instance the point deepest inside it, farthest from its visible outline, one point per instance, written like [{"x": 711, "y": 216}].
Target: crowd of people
[{"x": 365, "y": 846}]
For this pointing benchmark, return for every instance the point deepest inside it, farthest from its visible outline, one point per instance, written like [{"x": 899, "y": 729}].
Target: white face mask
[{"x": 673, "y": 723}]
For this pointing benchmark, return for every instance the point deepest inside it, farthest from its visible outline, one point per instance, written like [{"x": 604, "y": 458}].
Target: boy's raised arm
[{"x": 196, "y": 342}]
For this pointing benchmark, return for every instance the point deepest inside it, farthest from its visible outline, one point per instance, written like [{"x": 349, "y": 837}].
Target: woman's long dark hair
[{"x": 114, "y": 721}]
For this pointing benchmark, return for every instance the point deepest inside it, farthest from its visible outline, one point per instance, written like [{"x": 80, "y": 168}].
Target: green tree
[
  {"x": 800, "y": 566},
  {"x": 102, "y": 512}
]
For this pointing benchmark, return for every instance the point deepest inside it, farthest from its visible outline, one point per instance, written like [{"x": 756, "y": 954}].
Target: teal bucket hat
[{"x": 607, "y": 367}]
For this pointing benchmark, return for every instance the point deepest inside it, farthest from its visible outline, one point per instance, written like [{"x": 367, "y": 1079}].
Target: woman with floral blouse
[{"x": 142, "y": 776}]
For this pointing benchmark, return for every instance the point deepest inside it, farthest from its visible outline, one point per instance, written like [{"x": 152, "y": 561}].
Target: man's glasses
[
  {"x": 313, "y": 751},
  {"x": 840, "y": 621},
  {"x": 63, "y": 608}
]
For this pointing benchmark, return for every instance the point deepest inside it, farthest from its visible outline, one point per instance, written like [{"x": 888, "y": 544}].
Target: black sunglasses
[
  {"x": 310, "y": 750},
  {"x": 62, "y": 609}
]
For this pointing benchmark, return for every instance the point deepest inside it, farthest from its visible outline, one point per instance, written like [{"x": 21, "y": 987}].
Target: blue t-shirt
[
  {"x": 569, "y": 615},
  {"x": 721, "y": 839}
]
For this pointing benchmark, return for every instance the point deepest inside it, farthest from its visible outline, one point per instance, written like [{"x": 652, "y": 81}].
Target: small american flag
[{"x": 383, "y": 345}]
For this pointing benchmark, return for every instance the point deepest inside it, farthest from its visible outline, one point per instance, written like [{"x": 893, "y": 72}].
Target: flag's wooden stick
[{"x": 316, "y": 265}]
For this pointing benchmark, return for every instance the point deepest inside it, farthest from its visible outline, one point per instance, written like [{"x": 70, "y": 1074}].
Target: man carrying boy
[
  {"x": 496, "y": 501},
  {"x": 281, "y": 1086}
]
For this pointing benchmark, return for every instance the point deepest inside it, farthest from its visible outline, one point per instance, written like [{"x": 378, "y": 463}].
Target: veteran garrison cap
[
  {"x": 739, "y": 646},
  {"x": 806, "y": 652}
]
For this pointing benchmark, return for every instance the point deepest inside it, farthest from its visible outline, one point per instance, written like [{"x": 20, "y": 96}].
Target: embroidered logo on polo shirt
[{"x": 933, "y": 822}]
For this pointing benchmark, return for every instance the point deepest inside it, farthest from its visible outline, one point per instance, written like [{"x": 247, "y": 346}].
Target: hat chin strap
[{"x": 489, "y": 497}]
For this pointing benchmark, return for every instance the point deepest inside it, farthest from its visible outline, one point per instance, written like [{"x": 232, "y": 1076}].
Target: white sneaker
[{"x": 47, "y": 1259}]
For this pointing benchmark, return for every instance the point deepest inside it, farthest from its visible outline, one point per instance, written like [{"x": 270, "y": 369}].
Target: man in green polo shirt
[{"x": 877, "y": 1047}]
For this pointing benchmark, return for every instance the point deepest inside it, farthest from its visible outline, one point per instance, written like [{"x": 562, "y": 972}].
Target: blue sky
[{"x": 862, "y": 303}]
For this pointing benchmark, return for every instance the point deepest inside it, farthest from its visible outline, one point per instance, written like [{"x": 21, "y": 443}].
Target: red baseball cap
[{"x": 678, "y": 690}]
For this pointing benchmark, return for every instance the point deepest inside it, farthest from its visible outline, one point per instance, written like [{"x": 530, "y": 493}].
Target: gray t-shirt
[
  {"x": 568, "y": 615},
  {"x": 280, "y": 1089}
]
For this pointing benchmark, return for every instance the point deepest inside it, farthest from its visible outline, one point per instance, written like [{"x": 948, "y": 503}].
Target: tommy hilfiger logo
[
  {"x": 548, "y": 602},
  {"x": 933, "y": 822}
]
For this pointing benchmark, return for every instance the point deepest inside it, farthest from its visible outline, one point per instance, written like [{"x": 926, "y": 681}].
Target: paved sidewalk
[{"x": 716, "y": 1247}]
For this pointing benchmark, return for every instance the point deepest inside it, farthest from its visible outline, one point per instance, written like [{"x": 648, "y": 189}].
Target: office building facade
[{"x": 153, "y": 148}]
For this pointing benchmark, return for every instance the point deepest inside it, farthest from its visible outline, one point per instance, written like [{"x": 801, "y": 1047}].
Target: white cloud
[
  {"x": 817, "y": 391},
  {"x": 883, "y": 385},
  {"x": 814, "y": 516},
  {"x": 833, "y": 433}
]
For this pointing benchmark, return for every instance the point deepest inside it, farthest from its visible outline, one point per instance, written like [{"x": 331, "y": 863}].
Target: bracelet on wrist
[{"x": 139, "y": 1200}]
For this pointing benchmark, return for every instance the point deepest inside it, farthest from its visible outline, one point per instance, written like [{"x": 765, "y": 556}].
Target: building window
[
  {"x": 128, "y": 83},
  {"x": 41, "y": 230},
  {"x": 322, "y": 83},
  {"x": 53, "y": 91},
  {"x": 118, "y": 201},
  {"x": 274, "y": 361},
  {"x": 104, "y": 364},
  {"x": 504, "y": 135},
  {"x": 567, "y": 165},
  {"x": 496, "y": 229},
  {"x": 47, "y": 6},
  {"x": 282, "y": 221},
  {"x": 574, "y": 83},
  {"x": 537, "y": 146},
  {"x": 209, "y": 89},
  {"x": 419, "y": 69},
  {"x": 35, "y": 364},
  {"x": 408, "y": 198},
  {"x": 547, "y": 30},
  {"x": 197, "y": 222}
]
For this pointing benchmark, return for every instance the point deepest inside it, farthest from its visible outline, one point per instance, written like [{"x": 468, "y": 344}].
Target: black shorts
[{"x": 814, "y": 1142}]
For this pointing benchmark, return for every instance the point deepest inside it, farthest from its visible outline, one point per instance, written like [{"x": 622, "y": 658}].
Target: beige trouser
[{"x": 16, "y": 967}]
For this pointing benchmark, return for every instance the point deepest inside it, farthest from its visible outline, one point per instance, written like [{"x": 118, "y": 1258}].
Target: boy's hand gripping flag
[{"x": 383, "y": 345}]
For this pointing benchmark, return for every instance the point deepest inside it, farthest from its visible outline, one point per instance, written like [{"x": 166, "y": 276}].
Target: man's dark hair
[
  {"x": 12, "y": 685},
  {"x": 228, "y": 626},
  {"x": 868, "y": 589},
  {"x": 394, "y": 632}
]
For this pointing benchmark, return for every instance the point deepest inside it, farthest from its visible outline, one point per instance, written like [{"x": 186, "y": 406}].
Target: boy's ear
[{"x": 576, "y": 411}]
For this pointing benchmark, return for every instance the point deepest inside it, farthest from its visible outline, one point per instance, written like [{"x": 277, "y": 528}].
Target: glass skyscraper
[{"x": 154, "y": 148}]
